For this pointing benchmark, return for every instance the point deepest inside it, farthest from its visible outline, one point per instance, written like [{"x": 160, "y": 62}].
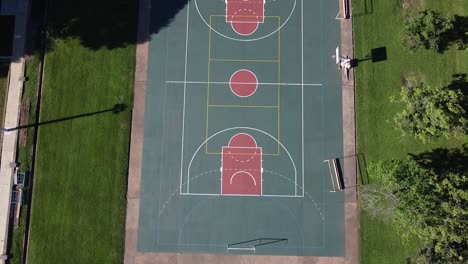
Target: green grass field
[
  {"x": 379, "y": 244},
  {"x": 78, "y": 209},
  {"x": 378, "y": 24},
  {"x": 376, "y": 82}
]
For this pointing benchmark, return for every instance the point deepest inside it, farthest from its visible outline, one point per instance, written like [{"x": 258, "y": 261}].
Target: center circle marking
[{"x": 243, "y": 83}]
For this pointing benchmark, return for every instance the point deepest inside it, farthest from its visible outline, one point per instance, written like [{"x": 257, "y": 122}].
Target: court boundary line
[
  {"x": 131, "y": 253},
  {"x": 302, "y": 98},
  {"x": 278, "y": 84},
  {"x": 302, "y": 90},
  {"x": 185, "y": 89}
]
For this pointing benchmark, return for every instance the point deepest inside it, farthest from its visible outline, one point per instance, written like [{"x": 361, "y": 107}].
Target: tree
[
  {"x": 432, "y": 205},
  {"x": 377, "y": 198},
  {"x": 425, "y": 29},
  {"x": 430, "y": 111}
]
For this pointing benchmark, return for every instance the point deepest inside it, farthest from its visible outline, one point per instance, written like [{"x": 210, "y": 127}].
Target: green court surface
[{"x": 243, "y": 105}]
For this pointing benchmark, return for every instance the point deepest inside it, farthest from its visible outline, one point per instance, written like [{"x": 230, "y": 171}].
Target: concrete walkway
[{"x": 11, "y": 119}]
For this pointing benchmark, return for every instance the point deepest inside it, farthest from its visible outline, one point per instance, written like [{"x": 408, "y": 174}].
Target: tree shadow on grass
[
  {"x": 106, "y": 23},
  {"x": 444, "y": 161},
  {"x": 460, "y": 82},
  {"x": 4, "y": 68},
  {"x": 458, "y": 35},
  {"x": 97, "y": 24}
]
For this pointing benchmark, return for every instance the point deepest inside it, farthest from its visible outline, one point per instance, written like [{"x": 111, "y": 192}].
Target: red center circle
[{"x": 243, "y": 83}]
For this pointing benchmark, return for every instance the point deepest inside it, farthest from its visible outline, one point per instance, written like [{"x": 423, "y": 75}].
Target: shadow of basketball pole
[
  {"x": 377, "y": 55},
  {"x": 117, "y": 108}
]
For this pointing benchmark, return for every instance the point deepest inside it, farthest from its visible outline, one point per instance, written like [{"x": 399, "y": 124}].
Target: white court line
[
  {"x": 237, "y": 173},
  {"x": 240, "y": 195},
  {"x": 183, "y": 108},
  {"x": 302, "y": 90},
  {"x": 239, "y": 248},
  {"x": 275, "y": 84}
]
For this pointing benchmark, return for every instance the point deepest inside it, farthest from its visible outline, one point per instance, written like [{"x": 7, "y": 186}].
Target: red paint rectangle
[
  {"x": 241, "y": 171},
  {"x": 239, "y": 11}
]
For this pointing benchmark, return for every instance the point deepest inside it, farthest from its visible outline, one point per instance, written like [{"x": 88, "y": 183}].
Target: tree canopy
[
  {"x": 430, "y": 201},
  {"x": 425, "y": 29},
  {"x": 429, "y": 112}
]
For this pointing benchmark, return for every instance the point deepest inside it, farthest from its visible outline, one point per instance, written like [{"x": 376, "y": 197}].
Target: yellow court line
[
  {"x": 239, "y": 60},
  {"x": 239, "y": 106},
  {"x": 244, "y": 106},
  {"x": 208, "y": 89}
]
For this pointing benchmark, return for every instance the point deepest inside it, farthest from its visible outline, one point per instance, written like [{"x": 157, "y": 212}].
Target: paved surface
[
  {"x": 349, "y": 145},
  {"x": 132, "y": 256},
  {"x": 12, "y": 119}
]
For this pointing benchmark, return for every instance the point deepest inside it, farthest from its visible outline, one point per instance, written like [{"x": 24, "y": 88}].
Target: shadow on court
[
  {"x": 116, "y": 109},
  {"x": 163, "y": 13}
]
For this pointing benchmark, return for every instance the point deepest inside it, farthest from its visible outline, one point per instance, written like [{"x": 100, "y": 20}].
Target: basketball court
[{"x": 243, "y": 105}]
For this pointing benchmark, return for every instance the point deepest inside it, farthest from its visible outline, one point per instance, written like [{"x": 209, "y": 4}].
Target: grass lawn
[
  {"x": 78, "y": 209},
  {"x": 376, "y": 82},
  {"x": 378, "y": 24},
  {"x": 25, "y": 155},
  {"x": 379, "y": 244}
]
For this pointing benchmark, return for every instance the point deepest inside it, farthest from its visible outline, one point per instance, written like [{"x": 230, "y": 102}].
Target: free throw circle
[
  {"x": 244, "y": 28},
  {"x": 245, "y": 22}
]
